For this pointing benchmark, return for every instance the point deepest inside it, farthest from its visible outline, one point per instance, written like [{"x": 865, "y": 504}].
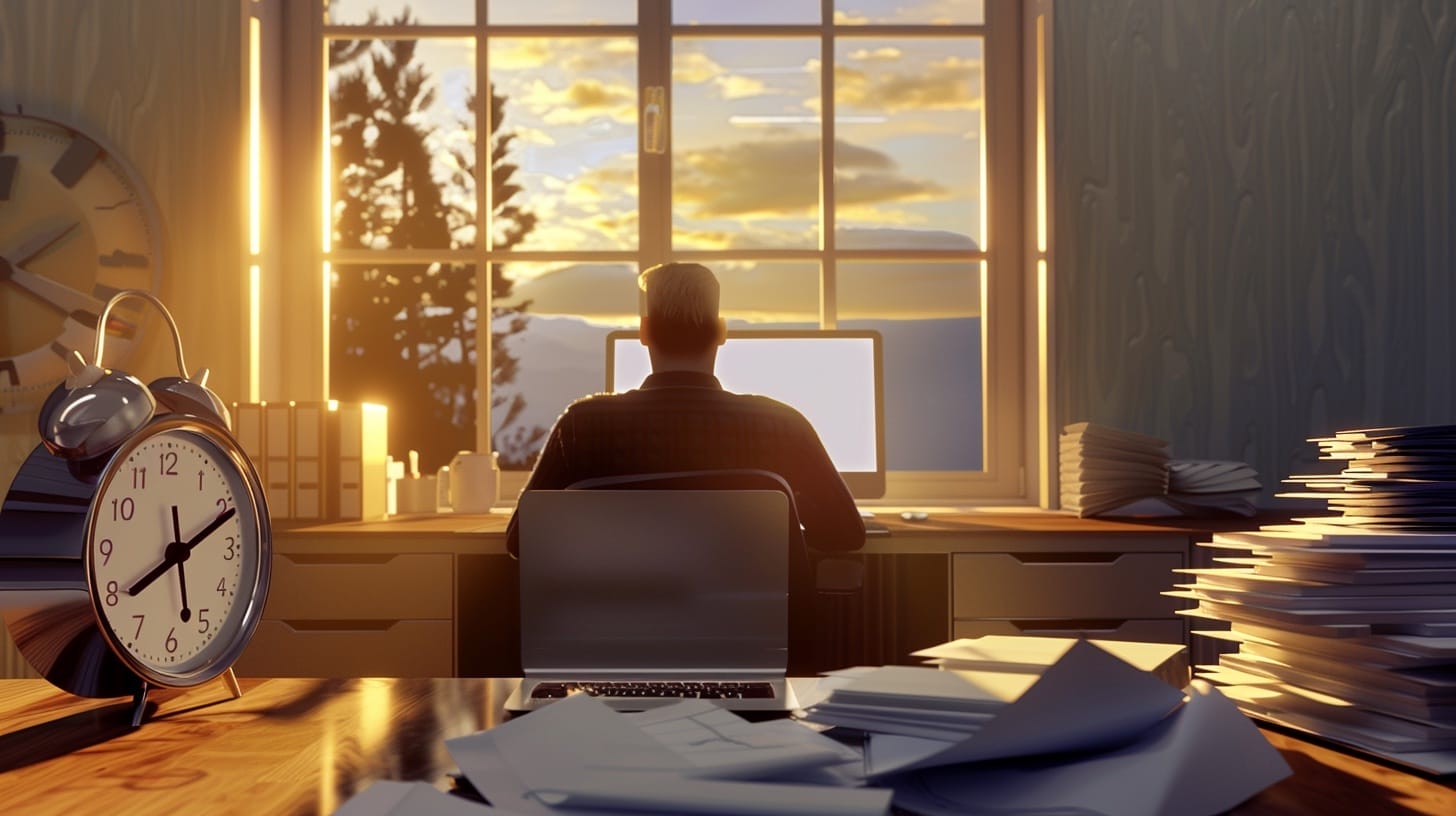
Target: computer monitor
[{"x": 834, "y": 378}]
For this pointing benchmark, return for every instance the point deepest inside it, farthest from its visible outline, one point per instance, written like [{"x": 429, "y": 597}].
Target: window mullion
[
  {"x": 828, "y": 271},
  {"x": 654, "y": 173},
  {"x": 484, "y": 203}
]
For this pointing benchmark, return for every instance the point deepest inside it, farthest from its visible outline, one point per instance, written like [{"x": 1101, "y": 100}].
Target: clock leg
[
  {"x": 232, "y": 683},
  {"x": 139, "y": 703}
]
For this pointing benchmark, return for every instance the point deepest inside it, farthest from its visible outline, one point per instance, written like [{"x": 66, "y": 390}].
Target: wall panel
[{"x": 1256, "y": 209}]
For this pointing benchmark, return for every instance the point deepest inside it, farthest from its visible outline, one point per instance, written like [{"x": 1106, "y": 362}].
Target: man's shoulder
[{"x": 717, "y": 399}]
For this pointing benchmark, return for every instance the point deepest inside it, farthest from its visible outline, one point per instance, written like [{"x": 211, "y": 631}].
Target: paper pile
[
  {"x": 577, "y": 756},
  {"x": 1204, "y": 486},
  {"x": 934, "y": 735},
  {"x": 1104, "y": 469},
  {"x": 1346, "y": 624},
  {"x": 1109, "y": 472},
  {"x": 1071, "y": 726}
]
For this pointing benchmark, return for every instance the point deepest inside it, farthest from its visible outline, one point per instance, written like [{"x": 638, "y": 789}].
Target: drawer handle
[
  {"x": 1066, "y": 558},
  {"x": 339, "y": 625},
  {"x": 1078, "y": 624},
  {"x": 343, "y": 558}
]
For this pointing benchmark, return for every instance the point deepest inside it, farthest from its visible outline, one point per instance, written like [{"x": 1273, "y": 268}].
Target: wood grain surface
[
  {"x": 1256, "y": 212},
  {"x": 304, "y": 746}
]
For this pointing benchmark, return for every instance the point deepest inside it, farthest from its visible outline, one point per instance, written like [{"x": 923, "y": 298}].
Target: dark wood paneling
[{"x": 1256, "y": 205}]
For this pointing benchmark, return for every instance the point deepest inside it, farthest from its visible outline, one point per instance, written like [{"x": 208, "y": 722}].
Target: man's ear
[
  {"x": 722, "y": 331},
  {"x": 642, "y": 332}
]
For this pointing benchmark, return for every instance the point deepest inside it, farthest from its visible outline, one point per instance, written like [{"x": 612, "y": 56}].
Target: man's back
[{"x": 684, "y": 421}]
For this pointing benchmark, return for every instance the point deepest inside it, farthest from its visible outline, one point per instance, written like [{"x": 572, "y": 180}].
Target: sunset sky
[{"x": 745, "y": 147}]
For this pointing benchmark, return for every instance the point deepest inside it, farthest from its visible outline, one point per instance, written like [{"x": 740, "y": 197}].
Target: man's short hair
[{"x": 681, "y": 302}]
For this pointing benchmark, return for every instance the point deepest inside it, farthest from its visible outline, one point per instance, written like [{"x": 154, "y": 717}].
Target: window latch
[{"x": 654, "y": 126}]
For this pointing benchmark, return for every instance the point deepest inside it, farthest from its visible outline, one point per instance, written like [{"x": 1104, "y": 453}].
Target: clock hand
[
  {"x": 177, "y": 554},
  {"x": 176, "y": 528},
  {"x": 157, "y": 572},
  {"x": 37, "y": 244},
  {"x": 182, "y": 580},
  {"x": 209, "y": 529},
  {"x": 58, "y": 295}
]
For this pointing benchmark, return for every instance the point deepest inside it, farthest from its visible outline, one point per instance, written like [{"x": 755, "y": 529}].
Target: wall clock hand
[
  {"x": 37, "y": 244},
  {"x": 58, "y": 295}
]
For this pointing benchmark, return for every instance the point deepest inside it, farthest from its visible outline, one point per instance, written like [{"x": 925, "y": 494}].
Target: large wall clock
[{"x": 76, "y": 227}]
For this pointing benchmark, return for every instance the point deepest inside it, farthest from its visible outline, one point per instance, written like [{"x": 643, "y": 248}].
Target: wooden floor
[{"x": 304, "y": 746}]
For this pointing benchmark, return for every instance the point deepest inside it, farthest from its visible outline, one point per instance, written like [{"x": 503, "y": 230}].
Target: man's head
[{"x": 680, "y": 323}]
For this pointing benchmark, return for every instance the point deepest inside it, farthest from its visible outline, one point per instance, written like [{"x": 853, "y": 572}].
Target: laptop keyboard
[{"x": 670, "y": 689}]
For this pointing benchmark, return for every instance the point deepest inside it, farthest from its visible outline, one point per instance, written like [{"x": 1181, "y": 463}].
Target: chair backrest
[
  {"x": 801, "y": 578},
  {"x": 653, "y": 580}
]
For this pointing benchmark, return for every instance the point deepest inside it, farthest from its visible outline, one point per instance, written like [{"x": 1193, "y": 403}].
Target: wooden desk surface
[
  {"x": 939, "y": 533},
  {"x": 303, "y": 746}
]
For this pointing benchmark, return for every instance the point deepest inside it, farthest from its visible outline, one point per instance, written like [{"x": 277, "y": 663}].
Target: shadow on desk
[{"x": 66, "y": 734}]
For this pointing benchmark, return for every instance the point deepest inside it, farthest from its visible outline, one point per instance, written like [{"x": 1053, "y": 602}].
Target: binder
[
  {"x": 310, "y": 461},
  {"x": 278, "y": 438}
]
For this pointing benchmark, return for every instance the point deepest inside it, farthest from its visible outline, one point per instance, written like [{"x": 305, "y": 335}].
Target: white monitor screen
[{"x": 831, "y": 377}]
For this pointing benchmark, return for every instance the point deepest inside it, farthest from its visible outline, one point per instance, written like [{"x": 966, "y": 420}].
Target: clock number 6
[{"x": 171, "y": 640}]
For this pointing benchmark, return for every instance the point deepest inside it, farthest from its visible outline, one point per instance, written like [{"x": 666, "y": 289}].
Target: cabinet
[
  {"x": 385, "y": 599},
  {"x": 1040, "y": 574},
  {"x": 437, "y": 596}
]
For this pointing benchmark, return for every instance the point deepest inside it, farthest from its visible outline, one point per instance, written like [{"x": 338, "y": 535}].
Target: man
[{"x": 682, "y": 419}]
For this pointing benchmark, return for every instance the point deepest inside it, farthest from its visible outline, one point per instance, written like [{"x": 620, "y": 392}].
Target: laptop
[{"x": 645, "y": 597}]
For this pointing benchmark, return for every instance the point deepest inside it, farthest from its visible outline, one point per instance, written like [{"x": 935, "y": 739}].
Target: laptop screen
[{"x": 644, "y": 581}]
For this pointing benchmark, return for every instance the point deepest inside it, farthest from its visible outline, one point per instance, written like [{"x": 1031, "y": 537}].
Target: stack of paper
[
  {"x": 1205, "y": 487},
  {"x": 1393, "y": 478},
  {"x": 1083, "y": 718},
  {"x": 1026, "y": 654},
  {"x": 1346, "y": 624},
  {"x": 1071, "y": 718},
  {"x": 1103, "y": 469}
]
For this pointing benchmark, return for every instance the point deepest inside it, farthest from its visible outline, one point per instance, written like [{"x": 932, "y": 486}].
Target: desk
[
  {"x": 435, "y": 595},
  {"x": 303, "y": 746}
]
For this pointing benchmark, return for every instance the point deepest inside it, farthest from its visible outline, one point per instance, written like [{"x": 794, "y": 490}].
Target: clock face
[
  {"x": 76, "y": 226},
  {"x": 175, "y": 554}
]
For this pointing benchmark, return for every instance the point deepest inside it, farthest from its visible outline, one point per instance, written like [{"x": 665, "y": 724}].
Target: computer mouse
[{"x": 915, "y": 515}]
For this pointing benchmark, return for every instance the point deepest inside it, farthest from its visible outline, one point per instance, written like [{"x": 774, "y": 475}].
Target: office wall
[
  {"x": 1256, "y": 214},
  {"x": 160, "y": 81}
]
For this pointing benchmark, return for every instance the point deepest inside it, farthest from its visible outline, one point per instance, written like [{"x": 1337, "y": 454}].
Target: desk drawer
[
  {"x": 410, "y": 648},
  {"x": 1146, "y": 631},
  {"x": 360, "y": 587},
  {"x": 1063, "y": 585}
]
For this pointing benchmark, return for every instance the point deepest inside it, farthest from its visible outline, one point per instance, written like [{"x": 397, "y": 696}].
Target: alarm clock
[{"x": 135, "y": 545}]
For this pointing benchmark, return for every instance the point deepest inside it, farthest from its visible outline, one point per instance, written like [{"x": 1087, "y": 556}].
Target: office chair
[{"x": 825, "y": 590}]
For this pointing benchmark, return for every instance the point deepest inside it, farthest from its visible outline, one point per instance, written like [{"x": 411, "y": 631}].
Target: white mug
[{"x": 474, "y": 482}]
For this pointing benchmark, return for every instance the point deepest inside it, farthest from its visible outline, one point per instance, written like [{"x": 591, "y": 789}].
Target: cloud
[
  {"x": 885, "y": 53},
  {"x": 735, "y": 86},
  {"x": 527, "y": 53},
  {"x": 581, "y": 101},
  {"x": 781, "y": 178},
  {"x": 694, "y": 67},
  {"x": 949, "y": 84}
]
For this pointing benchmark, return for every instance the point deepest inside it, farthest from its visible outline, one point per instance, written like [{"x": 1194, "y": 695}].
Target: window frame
[{"x": 1014, "y": 287}]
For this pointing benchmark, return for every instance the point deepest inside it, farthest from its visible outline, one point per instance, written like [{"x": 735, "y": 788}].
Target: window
[{"x": 839, "y": 163}]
